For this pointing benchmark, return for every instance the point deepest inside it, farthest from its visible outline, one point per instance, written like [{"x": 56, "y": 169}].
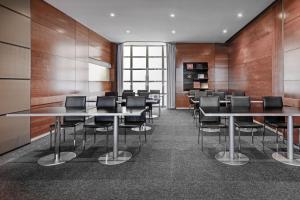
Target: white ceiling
[{"x": 149, "y": 20}]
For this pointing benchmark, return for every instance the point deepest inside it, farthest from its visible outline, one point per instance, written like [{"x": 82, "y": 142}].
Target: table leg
[
  {"x": 57, "y": 157},
  {"x": 115, "y": 157},
  {"x": 231, "y": 158},
  {"x": 288, "y": 158}
]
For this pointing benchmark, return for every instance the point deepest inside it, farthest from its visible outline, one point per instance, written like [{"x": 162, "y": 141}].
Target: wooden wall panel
[
  {"x": 292, "y": 50},
  {"x": 20, "y": 6},
  {"x": 15, "y": 95},
  {"x": 60, "y": 51},
  {"x": 14, "y": 62},
  {"x": 252, "y": 56},
  {"x": 15, "y": 28}
]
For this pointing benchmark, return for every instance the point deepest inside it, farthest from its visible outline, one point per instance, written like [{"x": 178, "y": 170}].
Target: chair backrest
[
  {"x": 105, "y": 102},
  {"x": 127, "y": 90},
  {"x": 144, "y": 94},
  {"x": 127, "y": 94},
  {"x": 154, "y": 91},
  {"x": 139, "y": 91},
  {"x": 241, "y": 104},
  {"x": 209, "y": 102},
  {"x": 221, "y": 95},
  {"x": 192, "y": 92},
  {"x": 155, "y": 94},
  {"x": 273, "y": 102},
  {"x": 75, "y": 102},
  {"x": 108, "y": 94},
  {"x": 135, "y": 102},
  {"x": 240, "y": 101},
  {"x": 209, "y": 92},
  {"x": 199, "y": 94},
  {"x": 238, "y": 93}
]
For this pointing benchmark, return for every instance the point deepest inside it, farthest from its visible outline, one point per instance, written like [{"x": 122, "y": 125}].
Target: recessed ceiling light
[
  {"x": 172, "y": 15},
  {"x": 225, "y": 31},
  {"x": 112, "y": 14},
  {"x": 240, "y": 15},
  {"x": 127, "y": 31},
  {"x": 173, "y": 32}
]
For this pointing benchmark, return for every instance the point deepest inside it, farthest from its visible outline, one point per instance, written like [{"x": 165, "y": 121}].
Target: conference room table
[
  {"x": 234, "y": 158},
  {"x": 112, "y": 158}
]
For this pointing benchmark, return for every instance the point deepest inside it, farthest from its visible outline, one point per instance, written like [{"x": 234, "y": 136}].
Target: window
[{"x": 144, "y": 68}]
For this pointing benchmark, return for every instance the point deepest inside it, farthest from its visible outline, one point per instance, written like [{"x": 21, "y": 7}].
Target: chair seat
[
  {"x": 281, "y": 125},
  {"x": 131, "y": 124},
  {"x": 248, "y": 125},
  {"x": 67, "y": 124},
  {"x": 212, "y": 125},
  {"x": 98, "y": 124}
]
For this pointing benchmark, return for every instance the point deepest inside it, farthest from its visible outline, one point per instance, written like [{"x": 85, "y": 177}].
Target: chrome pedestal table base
[
  {"x": 238, "y": 159},
  {"x": 51, "y": 159},
  {"x": 282, "y": 157},
  {"x": 108, "y": 158}
]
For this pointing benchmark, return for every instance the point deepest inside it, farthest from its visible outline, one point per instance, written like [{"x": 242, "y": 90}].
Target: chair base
[
  {"x": 107, "y": 159},
  {"x": 239, "y": 158},
  {"x": 49, "y": 160},
  {"x": 282, "y": 157},
  {"x": 144, "y": 128},
  {"x": 104, "y": 129}
]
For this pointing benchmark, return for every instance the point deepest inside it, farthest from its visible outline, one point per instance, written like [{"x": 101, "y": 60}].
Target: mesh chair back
[
  {"x": 75, "y": 102},
  {"x": 192, "y": 92},
  {"x": 144, "y": 94},
  {"x": 212, "y": 102},
  {"x": 209, "y": 92},
  {"x": 241, "y": 104},
  {"x": 108, "y": 102},
  {"x": 136, "y": 102},
  {"x": 127, "y": 94},
  {"x": 221, "y": 95},
  {"x": 155, "y": 94},
  {"x": 127, "y": 90},
  {"x": 238, "y": 93},
  {"x": 139, "y": 91},
  {"x": 108, "y": 94},
  {"x": 273, "y": 102}
]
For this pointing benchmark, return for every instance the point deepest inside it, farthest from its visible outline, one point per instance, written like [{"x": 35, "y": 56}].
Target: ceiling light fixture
[
  {"x": 172, "y": 15},
  {"x": 240, "y": 15},
  {"x": 225, "y": 31},
  {"x": 127, "y": 31},
  {"x": 112, "y": 14},
  {"x": 173, "y": 32}
]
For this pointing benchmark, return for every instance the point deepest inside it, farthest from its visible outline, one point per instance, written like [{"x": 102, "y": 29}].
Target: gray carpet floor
[{"x": 170, "y": 165}]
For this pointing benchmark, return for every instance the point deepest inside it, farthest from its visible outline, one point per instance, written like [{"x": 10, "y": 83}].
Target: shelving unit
[{"x": 195, "y": 76}]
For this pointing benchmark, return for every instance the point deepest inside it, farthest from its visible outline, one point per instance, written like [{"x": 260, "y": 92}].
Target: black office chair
[
  {"x": 221, "y": 95},
  {"x": 148, "y": 105},
  {"x": 108, "y": 102},
  {"x": 243, "y": 104},
  {"x": 108, "y": 94},
  {"x": 135, "y": 121},
  {"x": 141, "y": 91},
  {"x": 71, "y": 103},
  {"x": 155, "y": 94},
  {"x": 125, "y": 95},
  {"x": 238, "y": 93},
  {"x": 198, "y": 94},
  {"x": 127, "y": 90},
  {"x": 212, "y": 103},
  {"x": 209, "y": 92},
  {"x": 276, "y": 122}
]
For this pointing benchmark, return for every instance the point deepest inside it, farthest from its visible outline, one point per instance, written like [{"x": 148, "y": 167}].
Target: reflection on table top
[
  {"x": 256, "y": 110},
  {"x": 89, "y": 111}
]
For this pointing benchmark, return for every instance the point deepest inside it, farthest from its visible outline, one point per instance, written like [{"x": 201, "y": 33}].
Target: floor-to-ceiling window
[{"x": 145, "y": 68}]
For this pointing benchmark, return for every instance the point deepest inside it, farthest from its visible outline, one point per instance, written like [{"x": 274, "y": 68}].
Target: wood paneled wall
[
  {"x": 60, "y": 51},
  {"x": 214, "y": 54},
  {"x": 254, "y": 56},
  {"x": 14, "y": 72}
]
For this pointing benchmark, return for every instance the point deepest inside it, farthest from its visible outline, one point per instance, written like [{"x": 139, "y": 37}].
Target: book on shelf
[
  {"x": 201, "y": 76},
  {"x": 197, "y": 85},
  {"x": 204, "y": 86},
  {"x": 189, "y": 66}
]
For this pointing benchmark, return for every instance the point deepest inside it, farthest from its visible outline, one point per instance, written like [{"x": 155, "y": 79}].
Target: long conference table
[
  {"x": 234, "y": 158},
  {"x": 112, "y": 158}
]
